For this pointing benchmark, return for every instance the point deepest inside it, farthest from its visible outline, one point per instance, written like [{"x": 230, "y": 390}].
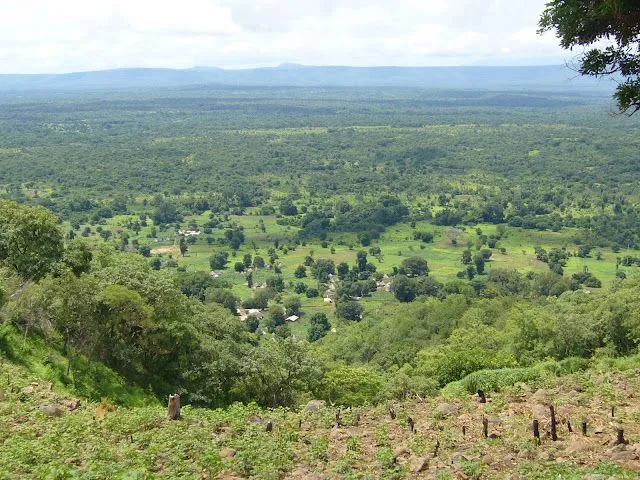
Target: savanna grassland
[{"x": 431, "y": 243}]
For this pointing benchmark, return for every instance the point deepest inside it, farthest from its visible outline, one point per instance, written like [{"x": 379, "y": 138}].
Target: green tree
[
  {"x": 318, "y": 327},
  {"x": 183, "y": 246},
  {"x": 300, "y": 271},
  {"x": 415, "y": 266},
  {"x": 77, "y": 256},
  {"x": 585, "y": 23},
  {"x": 30, "y": 241},
  {"x": 322, "y": 268},
  {"x": 219, "y": 260},
  {"x": 292, "y": 304},
  {"x": 403, "y": 288},
  {"x": 224, "y": 297},
  {"x": 350, "y": 310}
]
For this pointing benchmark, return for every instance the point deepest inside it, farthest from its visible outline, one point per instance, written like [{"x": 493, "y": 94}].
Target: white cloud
[{"x": 73, "y": 35}]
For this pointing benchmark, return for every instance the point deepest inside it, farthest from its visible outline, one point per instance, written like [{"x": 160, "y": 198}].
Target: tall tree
[
  {"x": 585, "y": 23},
  {"x": 30, "y": 241}
]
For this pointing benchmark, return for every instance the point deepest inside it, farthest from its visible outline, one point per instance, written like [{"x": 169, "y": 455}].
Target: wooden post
[
  {"x": 554, "y": 432},
  {"x": 569, "y": 426},
  {"x": 173, "y": 408},
  {"x": 482, "y": 398},
  {"x": 485, "y": 427},
  {"x": 584, "y": 427},
  {"x": 536, "y": 430},
  {"x": 392, "y": 413},
  {"x": 464, "y": 430},
  {"x": 613, "y": 411},
  {"x": 411, "y": 423},
  {"x": 620, "y": 440}
]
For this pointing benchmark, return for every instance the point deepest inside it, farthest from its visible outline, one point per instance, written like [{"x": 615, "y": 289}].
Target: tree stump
[
  {"x": 173, "y": 408},
  {"x": 411, "y": 423},
  {"x": 620, "y": 440},
  {"x": 482, "y": 398},
  {"x": 554, "y": 430}
]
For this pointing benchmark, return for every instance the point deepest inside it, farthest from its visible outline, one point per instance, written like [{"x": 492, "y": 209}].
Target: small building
[{"x": 292, "y": 318}]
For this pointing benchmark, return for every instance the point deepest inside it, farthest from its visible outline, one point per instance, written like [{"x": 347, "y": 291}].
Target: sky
[{"x": 45, "y": 36}]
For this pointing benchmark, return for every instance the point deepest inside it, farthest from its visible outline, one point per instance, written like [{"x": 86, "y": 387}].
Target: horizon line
[{"x": 279, "y": 66}]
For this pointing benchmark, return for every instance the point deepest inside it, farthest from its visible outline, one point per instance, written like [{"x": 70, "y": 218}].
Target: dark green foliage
[
  {"x": 300, "y": 271},
  {"x": 318, "y": 327},
  {"x": 312, "y": 292},
  {"x": 30, "y": 241},
  {"x": 414, "y": 266},
  {"x": 219, "y": 260},
  {"x": 222, "y": 296},
  {"x": 349, "y": 310},
  {"x": 322, "y": 268},
  {"x": 583, "y": 23}
]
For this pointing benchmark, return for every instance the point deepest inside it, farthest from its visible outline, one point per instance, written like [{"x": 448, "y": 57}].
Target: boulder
[
  {"x": 228, "y": 452},
  {"x": 51, "y": 410}
]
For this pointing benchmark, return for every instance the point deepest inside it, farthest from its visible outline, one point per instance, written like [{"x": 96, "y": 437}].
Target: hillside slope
[{"x": 46, "y": 433}]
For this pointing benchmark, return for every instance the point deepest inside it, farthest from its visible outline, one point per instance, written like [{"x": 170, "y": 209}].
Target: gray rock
[
  {"x": 51, "y": 410},
  {"x": 447, "y": 409},
  {"x": 228, "y": 452}
]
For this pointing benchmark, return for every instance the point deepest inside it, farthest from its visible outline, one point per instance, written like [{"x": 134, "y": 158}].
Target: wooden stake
[
  {"x": 392, "y": 413},
  {"x": 173, "y": 407},
  {"x": 536, "y": 430},
  {"x": 411, "y": 423},
  {"x": 485, "y": 427},
  {"x": 584, "y": 427},
  {"x": 569, "y": 426},
  {"x": 464, "y": 430},
  {"x": 613, "y": 411},
  {"x": 554, "y": 432}
]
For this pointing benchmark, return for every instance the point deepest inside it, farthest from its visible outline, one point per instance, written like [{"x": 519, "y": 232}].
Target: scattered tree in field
[
  {"x": 318, "y": 327},
  {"x": 219, "y": 260},
  {"x": 414, "y": 266},
  {"x": 300, "y": 271}
]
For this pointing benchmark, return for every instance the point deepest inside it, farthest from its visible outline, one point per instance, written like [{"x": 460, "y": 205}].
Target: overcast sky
[{"x": 75, "y": 35}]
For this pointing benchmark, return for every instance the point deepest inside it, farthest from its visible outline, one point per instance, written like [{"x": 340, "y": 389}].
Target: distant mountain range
[{"x": 551, "y": 77}]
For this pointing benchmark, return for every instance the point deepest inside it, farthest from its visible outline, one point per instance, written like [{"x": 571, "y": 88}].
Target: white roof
[{"x": 292, "y": 318}]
